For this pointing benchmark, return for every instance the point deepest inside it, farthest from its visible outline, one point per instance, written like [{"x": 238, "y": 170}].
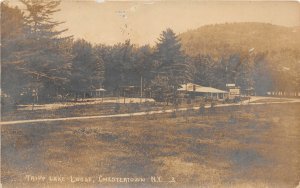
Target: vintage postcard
[{"x": 150, "y": 93}]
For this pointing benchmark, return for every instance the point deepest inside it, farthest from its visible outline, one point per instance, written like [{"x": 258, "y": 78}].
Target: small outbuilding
[
  {"x": 97, "y": 92},
  {"x": 234, "y": 91}
]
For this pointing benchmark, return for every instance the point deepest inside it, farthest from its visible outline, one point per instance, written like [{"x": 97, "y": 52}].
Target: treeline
[
  {"x": 279, "y": 46},
  {"x": 37, "y": 62}
]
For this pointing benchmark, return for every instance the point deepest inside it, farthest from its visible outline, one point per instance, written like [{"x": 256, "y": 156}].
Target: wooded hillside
[{"x": 221, "y": 39}]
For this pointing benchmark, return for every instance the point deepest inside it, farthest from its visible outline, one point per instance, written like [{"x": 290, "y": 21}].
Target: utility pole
[
  {"x": 141, "y": 97},
  {"x": 124, "y": 95},
  {"x": 35, "y": 97}
]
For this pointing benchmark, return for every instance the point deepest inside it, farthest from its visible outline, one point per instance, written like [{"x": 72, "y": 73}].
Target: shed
[{"x": 97, "y": 92}]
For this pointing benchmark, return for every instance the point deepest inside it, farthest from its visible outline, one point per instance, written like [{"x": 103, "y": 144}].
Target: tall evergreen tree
[
  {"x": 49, "y": 60},
  {"x": 172, "y": 64},
  {"x": 170, "y": 57}
]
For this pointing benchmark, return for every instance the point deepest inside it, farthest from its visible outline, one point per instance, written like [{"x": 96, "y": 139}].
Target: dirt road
[{"x": 250, "y": 102}]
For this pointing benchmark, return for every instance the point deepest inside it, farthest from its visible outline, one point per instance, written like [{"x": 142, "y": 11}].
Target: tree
[
  {"x": 168, "y": 53},
  {"x": 262, "y": 75},
  {"x": 13, "y": 79},
  {"x": 49, "y": 59},
  {"x": 171, "y": 62},
  {"x": 12, "y": 22},
  {"x": 126, "y": 64},
  {"x": 143, "y": 65},
  {"x": 87, "y": 71},
  {"x": 119, "y": 66},
  {"x": 204, "y": 70},
  {"x": 161, "y": 89},
  {"x": 244, "y": 77},
  {"x": 143, "y": 61}
]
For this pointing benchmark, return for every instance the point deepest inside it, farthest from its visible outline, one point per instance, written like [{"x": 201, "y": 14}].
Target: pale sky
[{"x": 111, "y": 22}]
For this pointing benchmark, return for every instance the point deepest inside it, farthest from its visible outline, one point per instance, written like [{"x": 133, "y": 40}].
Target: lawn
[
  {"x": 85, "y": 108},
  {"x": 78, "y": 110},
  {"x": 254, "y": 146}
]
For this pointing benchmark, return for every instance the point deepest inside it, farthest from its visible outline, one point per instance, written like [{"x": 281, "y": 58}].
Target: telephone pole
[{"x": 141, "y": 97}]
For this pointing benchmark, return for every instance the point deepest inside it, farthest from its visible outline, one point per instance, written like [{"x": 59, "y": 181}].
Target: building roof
[
  {"x": 188, "y": 87},
  {"x": 100, "y": 89},
  {"x": 209, "y": 90},
  {"x": 199, "y": 89}
]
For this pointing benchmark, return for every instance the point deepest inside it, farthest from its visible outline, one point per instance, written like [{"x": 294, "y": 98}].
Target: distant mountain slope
[
  {"x": 240, "y": 37},
  {"x": 281, "y": 45}
]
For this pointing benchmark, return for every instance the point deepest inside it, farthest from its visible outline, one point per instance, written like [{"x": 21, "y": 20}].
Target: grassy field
[{"x": 249, "y": 146}]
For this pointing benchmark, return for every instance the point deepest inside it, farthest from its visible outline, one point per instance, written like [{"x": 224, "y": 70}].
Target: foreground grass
[{"x": 250, "y": 146}]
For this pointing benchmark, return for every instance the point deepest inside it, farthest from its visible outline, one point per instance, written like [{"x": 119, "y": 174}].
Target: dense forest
[{"x": 37, "y": 60}]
